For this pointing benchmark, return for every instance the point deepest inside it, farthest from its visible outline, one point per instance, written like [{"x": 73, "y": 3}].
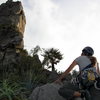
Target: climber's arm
[{"x": 74, "y": 63}]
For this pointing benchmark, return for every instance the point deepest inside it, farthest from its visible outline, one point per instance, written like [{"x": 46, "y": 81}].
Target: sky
[{"x": 67, "y": 25}]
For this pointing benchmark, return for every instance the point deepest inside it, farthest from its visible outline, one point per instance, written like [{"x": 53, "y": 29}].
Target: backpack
[{"x": 87, "y": 76}]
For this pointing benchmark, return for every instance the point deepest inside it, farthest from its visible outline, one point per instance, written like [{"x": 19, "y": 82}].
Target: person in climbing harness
[{"x": 72, "y": 89}]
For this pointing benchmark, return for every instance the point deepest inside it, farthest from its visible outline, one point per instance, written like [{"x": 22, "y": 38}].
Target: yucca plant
[
  {"x": 10, "y": 91},
  {"x": 32, "y": 80}
]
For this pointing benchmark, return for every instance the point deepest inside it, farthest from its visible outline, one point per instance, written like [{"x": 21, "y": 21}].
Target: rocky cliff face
[{"x": 12, "y": 26}]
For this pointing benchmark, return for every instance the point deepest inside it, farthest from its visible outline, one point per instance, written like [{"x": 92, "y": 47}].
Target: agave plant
[{"x": 10, "y": 91}]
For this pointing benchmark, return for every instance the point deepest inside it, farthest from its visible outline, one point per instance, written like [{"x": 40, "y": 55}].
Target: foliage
[
  {"x": 75, "y": 73},
  {"x": 32, "y": 80},
  {"x": 25, "y": 63},
  {"x": 10, "y": 91},
  {"x": 18, "y": 80},
  {"x": 51, "y": 57},
  {"x": 35, "y": 50},
  {"x": 23, "y": 52}
]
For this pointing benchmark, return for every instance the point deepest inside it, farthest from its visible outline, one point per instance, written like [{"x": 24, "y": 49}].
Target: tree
[
  {"x": 51, "y": 57},
  {"x": 74, "y": 73},
  {"x": 34, "y": 54},
  {"x": 23, "y": 52},
  {"x": 35, "y": 50}
]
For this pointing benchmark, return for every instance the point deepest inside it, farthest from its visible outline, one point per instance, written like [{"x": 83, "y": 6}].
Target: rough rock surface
[
  {"x": 50, "y": 92},
  {"x": 12, "y": 26},
  {"x": 47, "y": 92},
  {"x": 95, "y": 94}
]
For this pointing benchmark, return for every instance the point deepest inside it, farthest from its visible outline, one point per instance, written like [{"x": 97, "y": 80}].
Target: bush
[{"x": 10, "y": 91}]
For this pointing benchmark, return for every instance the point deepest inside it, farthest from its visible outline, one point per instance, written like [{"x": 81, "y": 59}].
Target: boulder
[
  {"x": 95, "y": 93},
  {"x": 50, "y": 92},
  {"x": 47, "y": 92}
]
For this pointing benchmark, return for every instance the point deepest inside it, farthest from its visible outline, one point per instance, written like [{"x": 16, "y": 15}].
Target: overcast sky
[{"x": 67, "y": 25}]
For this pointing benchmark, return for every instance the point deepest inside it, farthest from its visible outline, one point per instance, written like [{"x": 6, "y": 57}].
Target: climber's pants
[{"x": 68, "y": 89}]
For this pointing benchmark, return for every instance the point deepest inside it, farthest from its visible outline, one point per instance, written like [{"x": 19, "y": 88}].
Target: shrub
[{"x": 10, "y": 91}]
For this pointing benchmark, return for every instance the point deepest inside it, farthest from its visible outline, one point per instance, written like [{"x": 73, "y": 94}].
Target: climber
[{"x": 70, "y": 89}]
